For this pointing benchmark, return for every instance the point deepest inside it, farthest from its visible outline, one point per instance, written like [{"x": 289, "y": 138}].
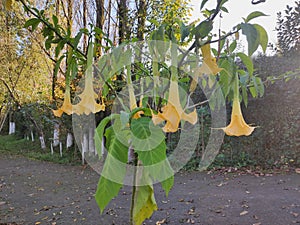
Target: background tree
[{"x": 288, "y": 30}]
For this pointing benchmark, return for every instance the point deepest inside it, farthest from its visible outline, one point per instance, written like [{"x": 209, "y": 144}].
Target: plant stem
[{"x": 135, "y": 162}]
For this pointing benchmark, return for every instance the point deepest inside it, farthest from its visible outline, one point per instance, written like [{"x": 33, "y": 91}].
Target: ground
[{"x": 35, "y": 192}]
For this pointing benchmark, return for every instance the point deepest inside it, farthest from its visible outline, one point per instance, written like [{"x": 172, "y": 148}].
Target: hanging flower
[
  {"x": 88, "y": 104},
  {"x": 66, "y": 107},
  {"x": 132, "y": 102},
  {"x": 209, "y": 66},
  {"x": 238, "y": 126},
  {"x": 173, "y": 113}
]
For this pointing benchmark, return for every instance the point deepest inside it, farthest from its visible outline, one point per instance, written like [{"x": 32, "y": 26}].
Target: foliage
[
  {"x": 24, "y": 72},
  {"x": 288, "y": 30}
]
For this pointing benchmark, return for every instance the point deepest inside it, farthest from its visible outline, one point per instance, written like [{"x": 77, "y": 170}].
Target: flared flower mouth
[
  {"x": 173, "y": 112},
  {"x": 238, "y": 126},
  {"x": 66, "y": 107},
  {"x": 88, "y": 103}
]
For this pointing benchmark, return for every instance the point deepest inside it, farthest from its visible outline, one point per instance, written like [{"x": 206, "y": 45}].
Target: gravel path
[{"x": 34, "y": 192}]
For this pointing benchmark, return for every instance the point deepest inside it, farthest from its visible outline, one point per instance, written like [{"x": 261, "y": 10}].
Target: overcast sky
[{"x": 242, "y": 8}]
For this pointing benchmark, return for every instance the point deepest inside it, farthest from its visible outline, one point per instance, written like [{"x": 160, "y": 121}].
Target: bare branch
[{"x": 255, "y": 2}]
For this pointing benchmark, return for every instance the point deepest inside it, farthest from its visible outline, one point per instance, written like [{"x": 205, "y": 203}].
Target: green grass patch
[{"x": 12, "y": 145}]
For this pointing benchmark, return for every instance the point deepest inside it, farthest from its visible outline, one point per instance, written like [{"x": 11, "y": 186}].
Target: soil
[{"x": 35, "y": 192}]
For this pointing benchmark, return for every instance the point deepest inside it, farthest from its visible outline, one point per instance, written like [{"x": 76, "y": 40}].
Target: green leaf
[
  {"x": 153, "y": 156},
  {"x": 114, "y": 168},
  {"x": 48, "y": 42},
  {"x": 60, "y": 45},
  {"x": 145, "y": 135},
  {"x": 100, "y": 132},
  {"x": 247, "y": 62},
  {"x": 34, "y": 22},
  {"x": 77, "y": 39},
  {"x": 57, "y": 65},
  {"x": 55, "y": 20},
  {"x": 252, "y": 37},
  {"x": 154, "y": 159},
  {"x": 253, "y": 92},
  {"x": 254, "y": 15},
  {"x": 232, "y": 46},
  {"x": 144, "y": 204},
  {"x": 263, "y": 36},
  {"x": 203, "y": 3},
  {"x": 224, "y": 9},
  {"x": 245, "y": 95},
  {"x": 184, "y": 31},
  {"x": 74, "y": 68},
  {"x": 203, "y": 29},
  {"x": 106, "y": 191},
  {"x": 168, "y": 183}
]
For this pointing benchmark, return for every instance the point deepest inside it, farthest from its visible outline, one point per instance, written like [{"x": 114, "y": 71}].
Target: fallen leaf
[
  {"x": 244, "y": 213},
  {"x": 221, "y": 184},
  {"x": 257, "y": 224},
  {"x": 2, "y": 203},
  {"x": 190, "y": 221},
  {"x": 160, "y": 222},
  {"x": 297, "y": 170},
  {"x": 255, "y": 217}
]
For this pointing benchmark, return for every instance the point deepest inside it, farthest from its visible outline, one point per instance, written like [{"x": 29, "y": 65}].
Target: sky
[{"x": 241, "y": 8}]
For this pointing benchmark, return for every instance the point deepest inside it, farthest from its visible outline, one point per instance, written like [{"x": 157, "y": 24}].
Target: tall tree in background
[
  {"x": 123, "y": 24},
  {"x": 289, "y": 30},
  {"x": 100, "y": 23},
  {"x": 141, "y": 17}
]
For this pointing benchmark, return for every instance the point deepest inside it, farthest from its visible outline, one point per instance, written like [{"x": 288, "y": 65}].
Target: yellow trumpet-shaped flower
[
  {"x": 66, "y": 107},
  {"x": 173, "y": 113},
  {"x": 238, "y": 126},
  {"x": 87, "y": 103},
  {"x": 209, "y": 65}
]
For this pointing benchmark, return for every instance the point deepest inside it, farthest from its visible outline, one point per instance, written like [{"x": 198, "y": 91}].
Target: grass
[{"x": 12, "y": 145}]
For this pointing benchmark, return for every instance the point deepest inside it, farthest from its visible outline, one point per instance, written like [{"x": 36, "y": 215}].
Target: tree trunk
[
  {"x": 54, "y": 77},
  {"x": 100, "y": 24},
  {"x": 84, "y": 16},
  {"x": 123, "y": 19},
  {"x": 141, "y": 19},
  {"x": 70, "y": 15}
]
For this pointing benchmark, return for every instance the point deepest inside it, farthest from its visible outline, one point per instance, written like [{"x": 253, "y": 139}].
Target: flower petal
[
  {"x": 173, "y": 113},
  {"x": 238, "y": 126},
  {"x": 66, "y": 107},
  {"x": 209, "y": 65},
  {"x": 87, "y": 103}
]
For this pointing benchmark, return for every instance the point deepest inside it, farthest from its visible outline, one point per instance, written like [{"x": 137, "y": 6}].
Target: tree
[
  {"x": 288, "y": 27},
  {"x": 139, "y": 125}
]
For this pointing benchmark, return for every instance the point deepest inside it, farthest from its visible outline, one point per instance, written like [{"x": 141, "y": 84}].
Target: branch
[
  {"x": 207, "y": 42},
  {"x": 257, "y": 2},
  {"x": 52, "y": 28}
]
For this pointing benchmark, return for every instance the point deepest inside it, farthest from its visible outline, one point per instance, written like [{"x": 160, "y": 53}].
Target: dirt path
[{"x": 34, "y": 192}]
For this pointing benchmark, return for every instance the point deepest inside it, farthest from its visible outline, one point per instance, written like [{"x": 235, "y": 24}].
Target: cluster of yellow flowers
[{"x": 172, "y": 113}]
